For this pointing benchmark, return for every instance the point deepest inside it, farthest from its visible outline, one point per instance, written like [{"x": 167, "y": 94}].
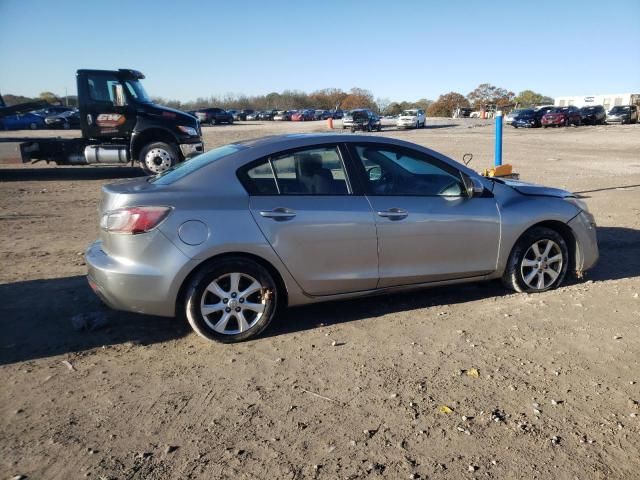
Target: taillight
[{"x": 133, "y": 220}]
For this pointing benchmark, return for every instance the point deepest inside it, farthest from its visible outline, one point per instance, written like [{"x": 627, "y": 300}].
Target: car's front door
[
  {"x": 305, "y": 207},
  {"x": 428, "y": 227}
]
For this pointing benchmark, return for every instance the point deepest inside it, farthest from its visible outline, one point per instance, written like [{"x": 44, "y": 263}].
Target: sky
[{"x": 400, "y": 50}]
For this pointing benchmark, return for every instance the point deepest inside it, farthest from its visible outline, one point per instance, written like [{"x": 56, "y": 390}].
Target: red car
[
  {"x": 303, "y": 115},
  {"x": 562, "y": 116}
]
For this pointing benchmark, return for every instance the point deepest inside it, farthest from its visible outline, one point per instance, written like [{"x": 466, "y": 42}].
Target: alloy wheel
[
  {"x": 158, "y": 160},
  {"x": 542, "y": 264},
  {"x": 233, "y": 303}
]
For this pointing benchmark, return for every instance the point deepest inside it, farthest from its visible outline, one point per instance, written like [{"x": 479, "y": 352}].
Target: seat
[{"x": 315, "y": 179}]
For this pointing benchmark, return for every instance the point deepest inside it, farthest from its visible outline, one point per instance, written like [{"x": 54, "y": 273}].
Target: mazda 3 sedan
[{"x": 235, "y": 235}]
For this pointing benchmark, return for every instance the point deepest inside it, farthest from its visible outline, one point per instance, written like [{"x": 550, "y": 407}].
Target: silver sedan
[{"x": 233, "y": 236}]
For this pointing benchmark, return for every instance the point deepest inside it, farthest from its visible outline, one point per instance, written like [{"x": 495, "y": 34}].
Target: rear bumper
[
  {"x": 149, "y": 288},
  {"x": 584, "y": 230}
]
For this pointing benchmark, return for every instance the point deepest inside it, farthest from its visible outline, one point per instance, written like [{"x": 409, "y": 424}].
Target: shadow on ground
[
  {"x": 619, "y": 259},
  {"x": 35, "y": 316},
  {"x": 35, "y": 320},
  {"x": 68, "y": 173}
]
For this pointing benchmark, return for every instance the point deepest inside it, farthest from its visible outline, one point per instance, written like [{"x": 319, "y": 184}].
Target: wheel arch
[
  {"x": 182, "y": 292},
  {"x": 565, "y": 232},
  {"x": 151, "y": 135}
]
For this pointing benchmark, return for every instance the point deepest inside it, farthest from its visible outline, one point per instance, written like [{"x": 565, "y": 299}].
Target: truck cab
[
  {"x": 115, "y": 109},
  {"x": 120, "y": 124}
]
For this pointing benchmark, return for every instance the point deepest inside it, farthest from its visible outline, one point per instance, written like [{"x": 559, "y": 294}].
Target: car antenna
[{"x": 467, "y": 157}]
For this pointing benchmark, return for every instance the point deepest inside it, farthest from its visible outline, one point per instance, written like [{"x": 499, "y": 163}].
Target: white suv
[{"x": 413, "y": 118}]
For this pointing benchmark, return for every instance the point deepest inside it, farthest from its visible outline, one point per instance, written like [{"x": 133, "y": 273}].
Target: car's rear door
[
  {"x": 303, "y": 202},
  {"x": 428, "y": 228}
]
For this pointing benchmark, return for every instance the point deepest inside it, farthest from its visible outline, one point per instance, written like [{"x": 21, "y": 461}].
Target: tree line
[{"x": 485, "y": 96}]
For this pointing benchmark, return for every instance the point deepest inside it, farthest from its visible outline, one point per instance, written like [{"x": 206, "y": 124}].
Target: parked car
[
  {"x": 283, "y": 115},
  {"x": 623, "y": 114},
  {"x": 337, "y": 114},
  {"x": 214, "y": 116},
  {"x": 321, "y": 114},
  {"x": 233, "y": 113},
  {"x": 409, "y": 217},
  {"x": 268, "y": 114},
  {"x": 302, "y": 116},
  {"x": 362, "y": 119},
  {"x": 412, "y": 118},
  {"x": 508, "y": 118},
  {"x": 253, "y": 116},
  {"x": 52, "y": 110},
  {"x": 242, "y": 114},
  {"x": 561, "y": 116},
  {"x": 22, "y": 121},
  {"x": 593, "y": 115},
  {"x": 525, "y": 117},
  {"x": 64, "y": 120}
]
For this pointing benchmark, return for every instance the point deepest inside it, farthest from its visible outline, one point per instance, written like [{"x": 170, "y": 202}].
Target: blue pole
[{"x": 498, "y": 157}]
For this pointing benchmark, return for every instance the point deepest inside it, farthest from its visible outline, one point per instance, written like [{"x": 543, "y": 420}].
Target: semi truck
[{"x": 120, "y": 125}]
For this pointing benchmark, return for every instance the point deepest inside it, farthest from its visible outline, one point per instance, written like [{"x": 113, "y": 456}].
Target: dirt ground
[{"x": 537, "y": 386}]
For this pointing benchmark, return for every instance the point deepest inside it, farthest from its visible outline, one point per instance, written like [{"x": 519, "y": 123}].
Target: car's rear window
[{"x": 183, "y": 169}]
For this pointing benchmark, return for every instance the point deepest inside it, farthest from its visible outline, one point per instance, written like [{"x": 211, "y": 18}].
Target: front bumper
[
  {"x": 191, "y": 149},
  {"x": 523, "y": 123},
  {"x": 584, "y": 230},
  {"x": 148, "y": 284},
  {"x": 406, "y": 123}
]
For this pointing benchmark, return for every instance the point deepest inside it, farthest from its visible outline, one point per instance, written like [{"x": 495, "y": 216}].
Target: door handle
[
  {"x": 393, "y": 214},
  {"x": 89, "y": 119},
  {"x": 278, "y": 214}
]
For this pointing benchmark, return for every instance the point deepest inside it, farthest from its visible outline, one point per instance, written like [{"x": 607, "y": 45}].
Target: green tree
[
  {"x": 529, "y": 98},
  {"x": 486, "y": 95},
  {"x": 49, "y": 97},
  {"x": 446, "y": 104}
]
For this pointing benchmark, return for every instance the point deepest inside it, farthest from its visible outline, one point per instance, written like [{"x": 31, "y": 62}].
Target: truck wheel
[{"x": 158, "y": 157}]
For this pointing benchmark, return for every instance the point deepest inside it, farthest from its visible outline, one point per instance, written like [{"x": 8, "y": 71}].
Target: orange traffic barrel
[{"x": 330, "y": 123}]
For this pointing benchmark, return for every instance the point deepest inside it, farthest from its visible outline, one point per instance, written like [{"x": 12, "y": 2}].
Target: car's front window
[{"x": 397, "y": 171}]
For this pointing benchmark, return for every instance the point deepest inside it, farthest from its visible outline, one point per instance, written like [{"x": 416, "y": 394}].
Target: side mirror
[
  {"x": 374, "y": 174},
  {"x": 119, "y": 98},
  {"x": 473, "y": 186}
]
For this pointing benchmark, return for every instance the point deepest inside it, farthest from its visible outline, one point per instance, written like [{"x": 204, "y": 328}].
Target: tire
[
  {"x": 224, "y": 322},
  {"x": 380, "y": 127},
  {"x": 523, "y": 268},
  {"x": 545, "y": 126},
  {"x": 566, "y": 122},
  {"x": 417, "y": 125},
  {"x": 158, "y": 157}
]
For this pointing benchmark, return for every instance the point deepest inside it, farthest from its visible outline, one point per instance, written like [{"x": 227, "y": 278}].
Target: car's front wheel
[
  {"x": 231, "y": 300},
  {"x": 538, "y": 261}
]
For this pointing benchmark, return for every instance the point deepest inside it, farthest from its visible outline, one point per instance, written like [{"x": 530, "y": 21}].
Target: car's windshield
[
  {"x": 619, "y": 109},
  {"x": 137, "y": 91},
  {"x": 359, "y": 115},
  {"x": 183, "y": 169},
  {"x": 410, "y": 113},
  {"x": 524, "y": 112}
]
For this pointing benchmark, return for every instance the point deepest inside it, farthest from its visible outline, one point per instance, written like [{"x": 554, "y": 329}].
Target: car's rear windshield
[{"x": 183, "y": 169}]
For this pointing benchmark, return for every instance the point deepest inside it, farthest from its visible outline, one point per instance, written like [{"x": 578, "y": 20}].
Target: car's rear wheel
[
  {"x": 231, "y": 300},
  {"x": 538, "y": 262}
]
